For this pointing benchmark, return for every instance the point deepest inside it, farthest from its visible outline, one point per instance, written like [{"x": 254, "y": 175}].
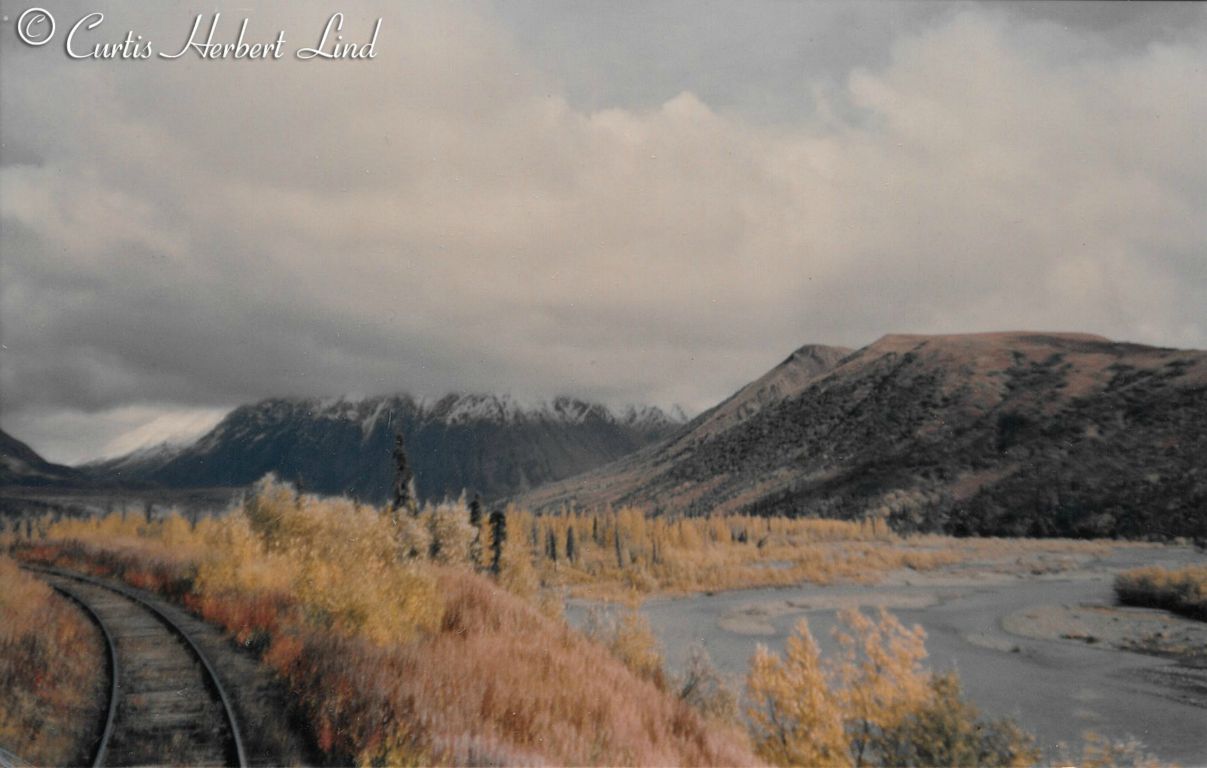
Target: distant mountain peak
[
  {"x": 492, "y": 443},
  {"x": 785, "y": 380},
  {"x": 463, "y": 408},
  {"x": 455, "y": 408}
]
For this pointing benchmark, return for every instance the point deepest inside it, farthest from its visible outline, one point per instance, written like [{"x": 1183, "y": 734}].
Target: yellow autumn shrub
[
  {"x": 401, "y": 654},
  {"x": 795, "y": 716},
  {"x": 608, "y": 553},
  {"x": 629, "y": 638},
  {"x": 51, "y": 679},
  {"x": 880, "y": 678},
  {"x": 1182, "y": 590},
  {"x": 873, "y": 705}
]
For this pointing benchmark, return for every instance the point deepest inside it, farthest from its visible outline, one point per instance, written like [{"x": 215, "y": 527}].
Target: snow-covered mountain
[
  {"x": 491, "y": 444},
  {"x": 136, "y": 463}
]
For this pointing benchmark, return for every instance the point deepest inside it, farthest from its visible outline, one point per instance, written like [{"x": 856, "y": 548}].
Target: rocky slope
[
  {"x": 1005, "y": 433},
  {"x": 481, "y": 443}
]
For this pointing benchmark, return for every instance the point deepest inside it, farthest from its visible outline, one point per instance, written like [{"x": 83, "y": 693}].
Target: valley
[
  {"x": 522, "y": 383},
  {"x": 988, "y": 488}
]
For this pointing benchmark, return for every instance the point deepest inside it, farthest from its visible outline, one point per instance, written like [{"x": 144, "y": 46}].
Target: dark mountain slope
[
  {"x": 21, "y": 465},
  {"x": 1011, "y": 433},
  {"x": 481, "y": 443}
]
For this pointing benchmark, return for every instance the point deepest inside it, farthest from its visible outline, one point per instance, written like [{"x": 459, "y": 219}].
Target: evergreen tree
[
  {"x": 475, "y": 511},
  {"x": 404, "y": 480},
  {"x": 571, "y": 545},
  {"x": 475, "y": 520},
  {"x": 498, "y": 529}
]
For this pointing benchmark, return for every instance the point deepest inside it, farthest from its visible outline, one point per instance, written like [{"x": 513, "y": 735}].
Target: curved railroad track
[
  {"x": 101, "y": 748},
  {"x": 167, "y": 703}
]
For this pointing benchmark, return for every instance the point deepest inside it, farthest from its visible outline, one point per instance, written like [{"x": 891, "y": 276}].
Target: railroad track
[{"x": 167, "y": 704}]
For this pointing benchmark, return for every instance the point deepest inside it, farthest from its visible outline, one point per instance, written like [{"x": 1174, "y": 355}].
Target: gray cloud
[{"x": 500, "y": 201}]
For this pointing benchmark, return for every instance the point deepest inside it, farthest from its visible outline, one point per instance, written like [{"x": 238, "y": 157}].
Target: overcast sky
[{"x": 627, "y": 202}]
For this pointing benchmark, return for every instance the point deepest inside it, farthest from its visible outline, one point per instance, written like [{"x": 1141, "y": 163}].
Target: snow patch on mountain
[
  {"x": 455, "y": 408},
  {"x": 168, "y": 430}
]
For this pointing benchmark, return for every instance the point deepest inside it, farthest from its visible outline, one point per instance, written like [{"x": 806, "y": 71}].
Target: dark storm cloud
[{"x": 652, "y": 205}]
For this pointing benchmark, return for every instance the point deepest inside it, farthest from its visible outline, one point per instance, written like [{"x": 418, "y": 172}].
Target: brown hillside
[{"x": 1011, "y": 433}]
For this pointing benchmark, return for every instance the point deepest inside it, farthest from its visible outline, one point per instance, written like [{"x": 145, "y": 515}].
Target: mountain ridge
[
  {"x": 1008, "y": 433},
  {"x": 22, "y": 465},
  {"x": 487, "y": 443}
]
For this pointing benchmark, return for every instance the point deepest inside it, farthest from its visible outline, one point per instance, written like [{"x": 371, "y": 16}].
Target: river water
[{"x": 1057, "y": 689}]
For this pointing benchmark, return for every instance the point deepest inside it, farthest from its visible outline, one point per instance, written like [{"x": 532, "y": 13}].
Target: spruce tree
[
  {"x": 498, "y": 529},
  {"x": 571, "y": 545},
  {"x": 475, "y": 520},
  {"x": 404, "y": 480}
]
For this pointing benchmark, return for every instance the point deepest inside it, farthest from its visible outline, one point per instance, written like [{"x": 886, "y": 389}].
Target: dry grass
[
  {"x": 393, "y": 657},
  {"x": 1183, "y": 590},
  {"x": 617, "y": 554},
  {"x": 625, "y": 554},
  {"x": 51, "y": 672}
]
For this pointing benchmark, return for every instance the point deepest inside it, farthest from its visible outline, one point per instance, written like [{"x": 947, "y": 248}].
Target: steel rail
[
  {"x": 102, "y": 745},
  {"x": 211, "y": 675}
]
